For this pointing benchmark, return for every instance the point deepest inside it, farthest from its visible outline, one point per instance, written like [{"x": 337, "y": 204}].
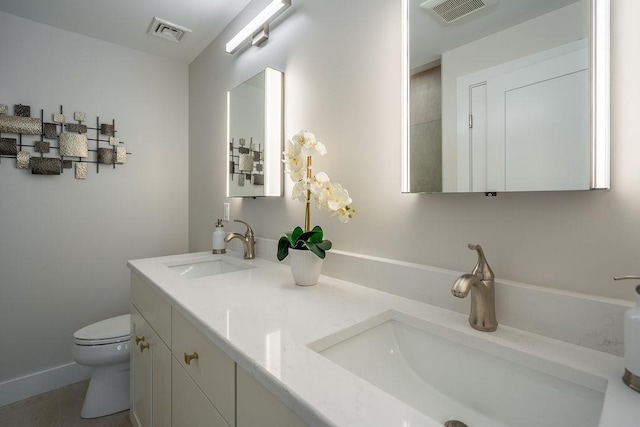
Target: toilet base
[{"x": 108, "y": 391}]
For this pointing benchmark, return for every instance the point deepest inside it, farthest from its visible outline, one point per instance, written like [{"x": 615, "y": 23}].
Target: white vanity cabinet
[
  {"x": 212, "y": 371},
  {"x": 150, "y": 357},
  {"x": 190, "y": 407},
  {"x": 256, "y": 405},
  {"x": 179, "y": 377}
]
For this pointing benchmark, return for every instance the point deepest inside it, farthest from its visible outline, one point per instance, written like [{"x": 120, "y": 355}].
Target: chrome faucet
[
  {"x": 247, "y": 240},
  {"x": 481, "y": 284}
]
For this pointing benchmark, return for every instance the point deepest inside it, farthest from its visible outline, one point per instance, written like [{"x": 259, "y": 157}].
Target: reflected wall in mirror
[
  {"x": 512, "y": 96},
  {"x": 255, "y": 135}
]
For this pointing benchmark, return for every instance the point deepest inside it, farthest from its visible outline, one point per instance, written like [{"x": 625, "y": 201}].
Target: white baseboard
[
  {"x": 586, "y": 320},
  {"x": 41, "y": 382}
]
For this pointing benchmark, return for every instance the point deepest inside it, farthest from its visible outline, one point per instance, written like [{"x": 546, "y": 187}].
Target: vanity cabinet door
[
  {"x": 190, "y": 407},
  {"x": 150, "y": 375},
  {"x": 256, "y": 406},
  {"x": 209, "y": 367},
  {"x": 154, "y": 307}
]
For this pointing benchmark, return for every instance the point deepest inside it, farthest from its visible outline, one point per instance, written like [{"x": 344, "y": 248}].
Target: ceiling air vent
[
  {"x": 448, "y": 11},
  {"x": 167, "y": 30}
]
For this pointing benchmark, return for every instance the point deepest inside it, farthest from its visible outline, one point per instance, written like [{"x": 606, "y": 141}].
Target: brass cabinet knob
[
  {"x": 189, "y": 357},
  {"x": 144, "y": 346},
  {"x": 139, "y": 340}
]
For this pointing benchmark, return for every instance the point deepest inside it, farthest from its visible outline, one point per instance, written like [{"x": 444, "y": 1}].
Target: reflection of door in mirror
[
  {"x": 528, "y": 123},
  {"x": 515, "y": 104}
]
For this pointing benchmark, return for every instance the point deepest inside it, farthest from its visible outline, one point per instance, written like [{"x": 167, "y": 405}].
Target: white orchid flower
[
  {"x": 320, "y": 148},
  {"x": 291, "y": 149},
  {"x": 345, "y": 214},
  {"x": 296, "y": 170},
  {"x": 294, "y": 163},
  {"x": 304, "y": 138},
  {"x": 299, "y": 191},
  {"x": 309, "y": 144},
  {"x": 319, "y": 189},
  {"x": 337, "y": 197}
]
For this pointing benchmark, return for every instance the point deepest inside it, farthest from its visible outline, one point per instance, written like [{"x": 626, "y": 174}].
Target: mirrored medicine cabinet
[
  {"x": 512, "y": 96},
  {"x": 255, "y": 136}
]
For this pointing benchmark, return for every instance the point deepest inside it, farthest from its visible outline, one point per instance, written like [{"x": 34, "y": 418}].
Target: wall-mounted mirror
[
  {"x": 505, "y": 95},
  {"x": 255, "y": 135}
]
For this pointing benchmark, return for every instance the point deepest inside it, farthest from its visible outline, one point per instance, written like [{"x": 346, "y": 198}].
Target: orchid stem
[{"x": 307, "y": 213}]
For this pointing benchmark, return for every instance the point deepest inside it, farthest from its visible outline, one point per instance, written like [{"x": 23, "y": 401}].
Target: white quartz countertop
[{"x": 265, "y": 323}]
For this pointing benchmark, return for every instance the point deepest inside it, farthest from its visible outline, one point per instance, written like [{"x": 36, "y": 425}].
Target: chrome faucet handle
[
  {"x": 482, "y": 269},
  {"x": 249, "y": 232}
]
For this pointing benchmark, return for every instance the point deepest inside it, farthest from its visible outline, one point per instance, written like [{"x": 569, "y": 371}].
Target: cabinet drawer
[
  {"x": 189, "y": 407},
  {"x": 213, "y": 371},
  {"x": 153, "y": 307}
]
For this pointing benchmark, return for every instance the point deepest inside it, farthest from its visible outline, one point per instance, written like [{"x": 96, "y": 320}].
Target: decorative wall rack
[{"x": 70, "y": 139}]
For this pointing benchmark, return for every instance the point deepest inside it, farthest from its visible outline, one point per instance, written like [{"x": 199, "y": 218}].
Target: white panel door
[
  {"x": 547, "y": 134},
  {"x": 538, "y": 126},
  {"x": 534, "y": 134}
]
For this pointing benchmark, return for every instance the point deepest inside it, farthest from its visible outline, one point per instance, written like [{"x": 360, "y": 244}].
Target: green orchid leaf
[
  {"x": 298, "y": 239},
  {"x": 283, "y": 248},
  {"x": 319, "y": 232},
  {"x": 316, "y": 250},
  {"x": 306, "y": 237},
  {"x": 325, "y": 245},
  {"x": 317, "y": 236},
  {"x": 295, "y": 235},
  {"x": 300, "y": 244}
]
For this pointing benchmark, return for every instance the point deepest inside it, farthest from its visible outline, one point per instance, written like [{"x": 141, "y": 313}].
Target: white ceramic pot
[{"x": 305, "y": 267}]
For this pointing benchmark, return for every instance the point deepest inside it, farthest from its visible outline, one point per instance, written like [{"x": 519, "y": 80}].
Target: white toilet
[{"x": 105, "y": 346}]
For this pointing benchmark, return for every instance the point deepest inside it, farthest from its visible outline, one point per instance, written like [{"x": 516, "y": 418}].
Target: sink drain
[{"x": 455, "y": 423}]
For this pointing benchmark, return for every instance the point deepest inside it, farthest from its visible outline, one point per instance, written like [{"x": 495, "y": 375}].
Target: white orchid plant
[{"x": 326, "y": 195}]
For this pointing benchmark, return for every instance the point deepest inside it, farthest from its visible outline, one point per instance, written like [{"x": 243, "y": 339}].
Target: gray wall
[
  {"x": 64, "y": 243},
  {"x": 342, "y": 81},
  {"x": 425, "y": 131}
]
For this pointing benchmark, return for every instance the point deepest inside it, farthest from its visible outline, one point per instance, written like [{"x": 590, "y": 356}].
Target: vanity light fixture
[{"x": 258, "y": 28}]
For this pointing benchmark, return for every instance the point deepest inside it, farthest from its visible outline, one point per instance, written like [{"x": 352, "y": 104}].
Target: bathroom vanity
[
  {"x": 226, "y": 342},
  {"x": 179, "y": 376}
]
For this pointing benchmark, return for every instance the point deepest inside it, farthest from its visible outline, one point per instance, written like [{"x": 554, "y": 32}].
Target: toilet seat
[{"x": 109, "y": 331}]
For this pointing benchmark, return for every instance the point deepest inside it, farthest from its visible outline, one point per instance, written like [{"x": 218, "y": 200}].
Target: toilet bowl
[{"x": 105, "y": 346}]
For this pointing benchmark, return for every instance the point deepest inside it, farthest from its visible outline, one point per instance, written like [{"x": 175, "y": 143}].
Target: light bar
[
  {"x": 600, "y": 100},
  {"x": 257, "y": 24}
]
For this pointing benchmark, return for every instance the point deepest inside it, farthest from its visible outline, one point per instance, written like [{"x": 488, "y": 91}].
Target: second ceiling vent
[
  {"x": 167, "y": 30},
  {"x": 448, "y": 11}
]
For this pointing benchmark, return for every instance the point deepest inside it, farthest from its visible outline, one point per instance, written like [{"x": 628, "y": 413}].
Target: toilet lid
[{"x": 116, "y": 329}]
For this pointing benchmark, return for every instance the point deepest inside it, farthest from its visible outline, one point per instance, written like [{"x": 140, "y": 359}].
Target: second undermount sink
[
  {"x": 448, "y": 375},
  {"x": 210, "y": 265}
]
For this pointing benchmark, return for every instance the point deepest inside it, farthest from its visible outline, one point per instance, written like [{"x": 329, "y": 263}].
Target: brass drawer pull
[
  {"x": 139, "y": 339},
  {"x": 143, "y": 347},
  {"x": 189, "y": 357}
]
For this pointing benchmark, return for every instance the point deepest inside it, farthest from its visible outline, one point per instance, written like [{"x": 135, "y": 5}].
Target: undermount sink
[
  {"x": 449, "y": 375},
  {"x": 211, "y": 265}
]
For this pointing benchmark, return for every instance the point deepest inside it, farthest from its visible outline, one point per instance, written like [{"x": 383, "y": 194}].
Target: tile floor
[{"x": 57, "y": 408}]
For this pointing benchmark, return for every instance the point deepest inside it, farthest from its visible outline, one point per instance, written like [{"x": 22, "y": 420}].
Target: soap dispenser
[
  {"x": 218, "y": 243},
  {"x": 632, "y": 341}
]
